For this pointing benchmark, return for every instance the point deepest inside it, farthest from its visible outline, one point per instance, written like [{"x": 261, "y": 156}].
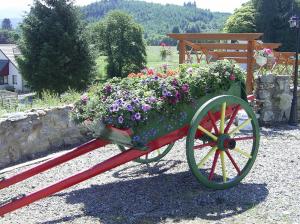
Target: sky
[{"x": 17, "y": 8}]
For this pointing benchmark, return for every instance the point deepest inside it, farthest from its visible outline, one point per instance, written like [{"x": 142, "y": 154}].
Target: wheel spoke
[
  {"x": 224, "y": 172},
  {"x": 208, "y": 155},
  {"x": 232, "y": 118},
  {"x": 213, "y": 167},
  {"x": 207, "y": 133},
  {"x": 213, "y": 121},
  {"x": 242, "y": 153},
  {"x": 233, "y": 162},
  {"x": 243, "y": 138},
  {"x": 204, "y": 145},
  {"x": 240, "y": 126},
  {"x": 222, "y": 119}
]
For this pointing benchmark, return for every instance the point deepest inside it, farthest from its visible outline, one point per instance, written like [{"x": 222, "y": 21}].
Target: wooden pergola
[{"x": 241, "y": 50}]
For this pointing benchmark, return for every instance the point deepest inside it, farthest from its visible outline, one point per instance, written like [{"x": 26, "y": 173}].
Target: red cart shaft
[
  {"x": 115, "y": 161},
  {"x": 78, "y": 151}
]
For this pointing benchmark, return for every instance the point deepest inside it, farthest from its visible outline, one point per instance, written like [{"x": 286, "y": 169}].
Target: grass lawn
[{"x": 153, "y": 60}]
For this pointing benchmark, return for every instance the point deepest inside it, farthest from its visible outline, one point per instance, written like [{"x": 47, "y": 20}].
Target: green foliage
[
  {"x": 6, "y": 24},
  {"x": 55, "y": 52},
  {"x": 47, "y": 99},
  {"x": 242, "y": 20},
  {"x": 120, "y": 39},
  {"x": 269, "y": 17},
  {"x": 8, "y": 36},
  {"x": 129, "y": 102},
  {"x": 158, "y": 19},
  {"x": 272, "y": 19}
]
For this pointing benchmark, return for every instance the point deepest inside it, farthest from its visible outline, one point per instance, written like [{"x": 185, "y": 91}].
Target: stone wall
[
  {"x": 274, "y": 98},
  {"x": 24, "y": 135}
]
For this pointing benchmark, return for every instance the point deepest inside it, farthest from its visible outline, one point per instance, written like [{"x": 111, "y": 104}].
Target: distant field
[{"x": 153, "y": 60}]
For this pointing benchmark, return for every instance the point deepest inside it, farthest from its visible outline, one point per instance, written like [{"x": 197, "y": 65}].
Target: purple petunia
[
  {"x": 165, "y": 92},
  {"x": 151, "y": 99},
  {"x": 120, "y": 119},
  {"x": 107, "y": 89},
  {"x": 174, "y": 82},
  {"x": 114, "y": 108},
  {"x": 146, "y": 107},
  {"x": 129, "y": 107},
  {"x": 177, "y": 95},
  {"x": 135, "y": 100},
  {"x": 119, "y": 102},
  {"x": 111, "y": 108},
  {"x": 185, "y": 88},
  {"x": 189, "y": 70},
  {"x": 137, "y": 116}
]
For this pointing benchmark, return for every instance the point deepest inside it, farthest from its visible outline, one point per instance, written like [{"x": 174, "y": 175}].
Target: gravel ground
[{"x": 167, "y": 192}]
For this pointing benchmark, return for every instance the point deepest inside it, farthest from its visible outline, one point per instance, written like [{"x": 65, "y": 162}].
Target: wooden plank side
[
  {"x": 219, "y": 46},
  {"x": 269, "y": 45},
  {"x": 215, "y": 36},
  {"x": 229, "y": 53},
  {"x": 284, "y": 54},
  {"x": 181, "y": 52},
  {"x": 250, "y": 67}
]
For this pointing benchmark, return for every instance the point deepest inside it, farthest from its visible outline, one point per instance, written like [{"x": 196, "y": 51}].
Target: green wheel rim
[
  {"x": 156, "y": 154},
  {"x": 218, "y": 105}
]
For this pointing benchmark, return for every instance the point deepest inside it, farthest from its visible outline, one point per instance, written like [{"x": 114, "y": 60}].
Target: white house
[{"x": 9, "y": 72}]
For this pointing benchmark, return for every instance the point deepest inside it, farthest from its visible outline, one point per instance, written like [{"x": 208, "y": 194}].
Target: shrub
[{"x": 121, "y": 40}]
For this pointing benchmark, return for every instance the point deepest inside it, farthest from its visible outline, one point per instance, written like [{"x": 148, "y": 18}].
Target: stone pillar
[{"x": 274, "y": 98}]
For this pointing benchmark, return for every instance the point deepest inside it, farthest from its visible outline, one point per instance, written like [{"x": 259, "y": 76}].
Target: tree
[
  {"x": 242, "y": 20},
  {"x": 8, "y": 37},
  {"x": 56, "y": 55},
  {"x": 175, "y": 29},
  {"x": 121, "y": 39},
  {"x": 6, "y": 24},
  {"x": 272, "y": 18}
]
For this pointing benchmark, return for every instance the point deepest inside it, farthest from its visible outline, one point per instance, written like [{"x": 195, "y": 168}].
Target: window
[
  {"x": 14, "y": 79},
  {"x": 3, "y": 80}
]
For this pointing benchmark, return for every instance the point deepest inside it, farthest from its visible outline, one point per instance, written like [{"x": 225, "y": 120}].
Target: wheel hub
[{"x": 225, "y": 142}]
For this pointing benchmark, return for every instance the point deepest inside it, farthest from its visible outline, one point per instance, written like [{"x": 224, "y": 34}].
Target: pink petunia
[
  {"x": 150, "y": 71},
  {"x": 268, "y": 51},
  {"x": 84, "y": 98}
]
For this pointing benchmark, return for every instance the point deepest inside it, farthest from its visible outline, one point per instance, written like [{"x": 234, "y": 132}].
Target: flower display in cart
[{"x": 130, "y": 102}]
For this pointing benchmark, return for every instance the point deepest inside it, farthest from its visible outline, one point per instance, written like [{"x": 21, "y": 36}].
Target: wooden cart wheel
[
  {"x": 153, "y": 156},
  {"x": 230, "y": 151}
]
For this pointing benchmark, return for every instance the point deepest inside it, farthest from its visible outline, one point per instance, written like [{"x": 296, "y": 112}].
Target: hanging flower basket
[{"x": 261, "y": 60}]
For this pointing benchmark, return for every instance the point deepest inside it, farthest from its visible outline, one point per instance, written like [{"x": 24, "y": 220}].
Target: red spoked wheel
[{"x": 230, "y": 149}]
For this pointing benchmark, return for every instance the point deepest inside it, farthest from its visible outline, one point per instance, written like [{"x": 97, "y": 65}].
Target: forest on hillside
[{"x": 158, "y": 20}]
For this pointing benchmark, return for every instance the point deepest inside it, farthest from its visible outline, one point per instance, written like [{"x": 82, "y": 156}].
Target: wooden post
[
  {"x": 181, "y": 52},
  {"x": 250, "y": 65}
]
